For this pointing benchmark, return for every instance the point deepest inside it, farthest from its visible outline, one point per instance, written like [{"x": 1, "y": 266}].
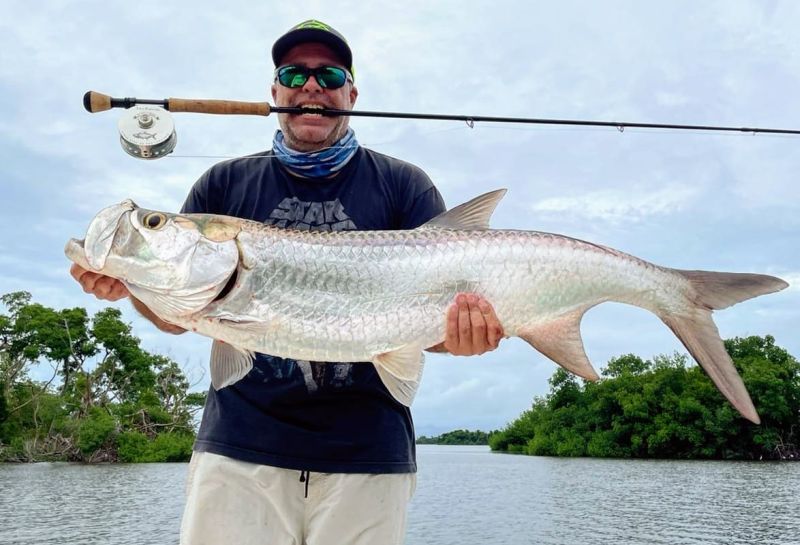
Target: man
[{"x": 308, "y": 452}]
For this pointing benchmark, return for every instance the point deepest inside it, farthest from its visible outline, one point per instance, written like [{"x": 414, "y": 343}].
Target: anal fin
[
  {"x": 401, "y": 371},
  {"x": 560, "y": 340},
  {"x": 229, "y": 364}
]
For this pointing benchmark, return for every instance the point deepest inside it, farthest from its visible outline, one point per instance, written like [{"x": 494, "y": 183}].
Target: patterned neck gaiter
[{"x": 316, "y": 164}]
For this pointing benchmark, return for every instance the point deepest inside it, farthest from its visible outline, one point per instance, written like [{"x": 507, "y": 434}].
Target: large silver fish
[{"x": 382, "y": 296}]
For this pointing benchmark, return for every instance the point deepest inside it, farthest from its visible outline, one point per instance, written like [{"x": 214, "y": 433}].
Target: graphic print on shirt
[
  {"x": 331, "y": 375},
  {"x": 293, "y": 213},
  {"x": 314, "y": 216},
  {"x": 315, "y": 375}
]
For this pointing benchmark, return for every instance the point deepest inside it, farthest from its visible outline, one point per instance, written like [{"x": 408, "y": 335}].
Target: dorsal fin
[{"x": 472, "y": 215}]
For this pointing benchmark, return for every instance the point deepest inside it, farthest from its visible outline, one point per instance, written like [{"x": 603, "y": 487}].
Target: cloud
[
  {"x": 671, "y": 99},
  {"x": 620, "y": 205}
]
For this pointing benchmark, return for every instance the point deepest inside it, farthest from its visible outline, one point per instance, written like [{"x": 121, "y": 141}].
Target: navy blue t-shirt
[{"x": 315, "y": 416}]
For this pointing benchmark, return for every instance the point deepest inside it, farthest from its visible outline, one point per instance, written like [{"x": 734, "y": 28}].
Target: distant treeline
[
  {"x": 107, "y": 399},
  {"x": 665, "y": 409},
  {"x": 457, "y": 437}
]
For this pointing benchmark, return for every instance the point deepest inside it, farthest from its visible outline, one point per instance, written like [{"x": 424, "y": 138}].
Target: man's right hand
[
  {"x": 101, "y": 286},
  {"x": 111, "y": 289}
]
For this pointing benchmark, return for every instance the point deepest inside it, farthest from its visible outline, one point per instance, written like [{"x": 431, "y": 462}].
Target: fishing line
[{"x": 385, "y": 143}]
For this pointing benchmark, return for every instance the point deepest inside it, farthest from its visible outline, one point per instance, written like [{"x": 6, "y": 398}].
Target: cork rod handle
[
  {"x": 224, "y": 107},
  {"x": 98, "y": 102}
]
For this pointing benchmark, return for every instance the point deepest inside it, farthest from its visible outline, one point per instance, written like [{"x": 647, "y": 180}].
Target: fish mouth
[
  {"x": 91, "y": 252},
  {"x": 74, "y": 250},
  {"x": 100, "y": 235}
]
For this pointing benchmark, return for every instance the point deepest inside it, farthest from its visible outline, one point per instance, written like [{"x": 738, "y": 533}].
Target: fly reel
[{"x": 147, "y": 132}]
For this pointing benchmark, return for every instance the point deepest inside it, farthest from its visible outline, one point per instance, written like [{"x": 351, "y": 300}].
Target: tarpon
[{"x": 382, "y": 296}]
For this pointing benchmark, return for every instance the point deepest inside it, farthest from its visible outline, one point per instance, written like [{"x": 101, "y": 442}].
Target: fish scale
[
  {"x": 382, "y": 296},
  {"x": 409, "y": 265}
]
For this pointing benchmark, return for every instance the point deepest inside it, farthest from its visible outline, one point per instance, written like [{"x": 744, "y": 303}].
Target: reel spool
[{"x": 147, "y": 132}]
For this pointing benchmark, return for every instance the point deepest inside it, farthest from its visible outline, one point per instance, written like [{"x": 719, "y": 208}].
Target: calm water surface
[{"x": 465, "y": 495}]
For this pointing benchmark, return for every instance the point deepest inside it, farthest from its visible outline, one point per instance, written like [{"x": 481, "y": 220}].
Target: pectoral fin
[
  {"x": 401, "y": 371},
  {"x": 560, "y": 340},
  {"x": 229, "y": 364},
  {"x": 253, "y": 326}
]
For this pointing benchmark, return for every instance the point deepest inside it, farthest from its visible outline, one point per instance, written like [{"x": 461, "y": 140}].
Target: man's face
[{"x": 309, "y": 132}]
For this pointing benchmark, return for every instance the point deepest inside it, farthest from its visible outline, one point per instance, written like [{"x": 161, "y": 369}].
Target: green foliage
[
  {"x": 456, "y": 437},
  {"x": 628, "y": 364},
  {"x": 105, "y": 397},
  {"x": 127, "y": 369},
  {"x": 517, "y": 433},
  {"x": 59, "y": 336},
  {"x": 95, "y": 430},
  {"x": 132, "y": 446},
  {"x": 32, "y": 412},
  {"x": 664, "y": 409},
  {"x": 135, "y": 446},
  {"x": 3, "y": 404}
]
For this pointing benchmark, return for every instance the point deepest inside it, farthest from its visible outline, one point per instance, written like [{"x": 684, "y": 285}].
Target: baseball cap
[{"x": 313, "y": 31}]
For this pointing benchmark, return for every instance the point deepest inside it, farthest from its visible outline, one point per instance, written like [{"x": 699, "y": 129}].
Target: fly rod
[{"x": 97, "y": 102}]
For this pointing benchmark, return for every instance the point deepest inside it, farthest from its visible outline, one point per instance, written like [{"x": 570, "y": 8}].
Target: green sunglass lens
[
  {"x": 328, "y": 77},
  {"x": 293, "y": 76},
  {"x": 298, "y": 80}
]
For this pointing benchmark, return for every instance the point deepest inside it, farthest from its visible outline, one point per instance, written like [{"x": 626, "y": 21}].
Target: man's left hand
[{"x": 472, "y": 327}]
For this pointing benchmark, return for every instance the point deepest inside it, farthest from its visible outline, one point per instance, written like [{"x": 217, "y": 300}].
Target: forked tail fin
[
  {"x": 700, "y": 336},
  {"x": 718, "y": 290}
]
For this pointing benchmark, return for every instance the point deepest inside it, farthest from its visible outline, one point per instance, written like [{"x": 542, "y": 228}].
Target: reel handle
[{"x": 223, "y": 107}]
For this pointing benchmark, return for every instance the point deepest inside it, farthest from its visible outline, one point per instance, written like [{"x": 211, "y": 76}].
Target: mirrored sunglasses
[{"x": 328, "y": 77}]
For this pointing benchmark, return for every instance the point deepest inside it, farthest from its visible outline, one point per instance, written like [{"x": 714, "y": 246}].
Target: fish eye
[{"x": 154, "y": 220}]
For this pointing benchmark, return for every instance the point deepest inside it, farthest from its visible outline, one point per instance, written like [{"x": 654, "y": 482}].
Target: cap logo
[{"x": 314, "y": 24}]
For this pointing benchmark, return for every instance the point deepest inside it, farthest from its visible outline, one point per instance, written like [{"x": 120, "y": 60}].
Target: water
[
  {"x": 468, "y": 495},
  {"x": 465, "y": 495}
]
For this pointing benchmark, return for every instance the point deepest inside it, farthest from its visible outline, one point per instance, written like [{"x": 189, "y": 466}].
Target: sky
[{"x": 690, "y": 200}]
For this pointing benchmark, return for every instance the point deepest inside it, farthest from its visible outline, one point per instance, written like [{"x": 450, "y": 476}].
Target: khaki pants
[{"x": 238, "y": 503}]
